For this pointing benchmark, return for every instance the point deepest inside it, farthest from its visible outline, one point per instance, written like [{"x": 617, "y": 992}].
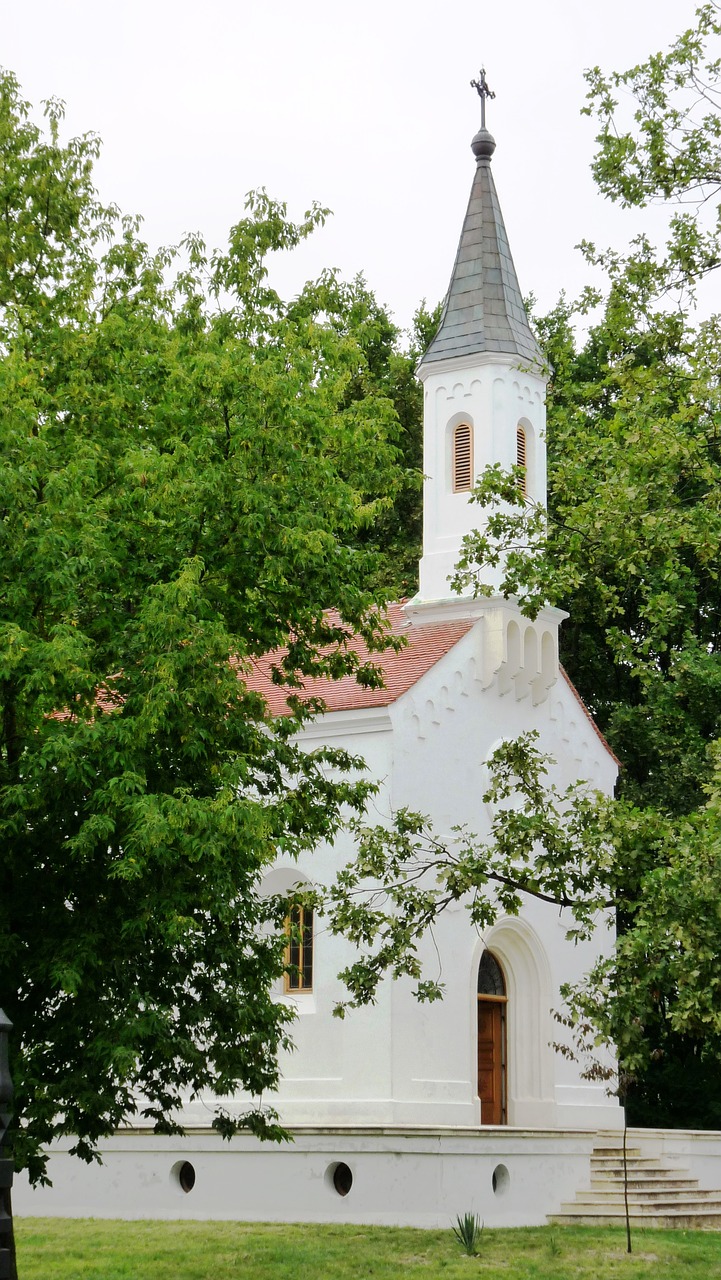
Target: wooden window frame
[{"x": 299, "y": 952}]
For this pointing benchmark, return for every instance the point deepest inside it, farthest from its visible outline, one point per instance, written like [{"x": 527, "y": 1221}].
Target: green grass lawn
[{"x": 54, "y": 1249}]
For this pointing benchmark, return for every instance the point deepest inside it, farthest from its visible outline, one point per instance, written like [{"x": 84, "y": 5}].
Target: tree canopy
[
  {"x": 631, "y": 547},
  {"x": 660, "y": 142},
  {"x": 192, "y": 469}
]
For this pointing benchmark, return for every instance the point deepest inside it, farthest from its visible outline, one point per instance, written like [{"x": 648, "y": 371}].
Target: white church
[
  {"x": 472, "y": 673},
  {"x": 405, "y": 1112}
]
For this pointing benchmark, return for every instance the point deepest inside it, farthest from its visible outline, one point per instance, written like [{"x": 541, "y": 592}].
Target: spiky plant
[{"x": 468, "y": 1231}]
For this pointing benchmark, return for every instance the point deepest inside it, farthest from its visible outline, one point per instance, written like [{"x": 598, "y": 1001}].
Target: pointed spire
[{"x": 483, "y": 310}]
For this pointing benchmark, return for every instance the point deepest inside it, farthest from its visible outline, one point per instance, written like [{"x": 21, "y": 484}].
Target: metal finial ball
[{"x": 483, "y": 145}]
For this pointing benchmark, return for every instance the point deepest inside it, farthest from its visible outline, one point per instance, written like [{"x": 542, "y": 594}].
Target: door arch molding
[{"x": 529, "y": 1026}]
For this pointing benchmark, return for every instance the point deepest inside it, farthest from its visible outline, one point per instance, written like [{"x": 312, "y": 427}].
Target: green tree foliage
[
  {"x": 398, "y": 534},
  {"x": 632, "y": 542},
  {"x": 188, "y": 468},
  {"x": 660, "y": 141},
  {"x": 631, "y": 547},
  {"x": 658, "y": 997},
  {"x": 390, "y": 370},
  {"x": 633, "y": 539}
]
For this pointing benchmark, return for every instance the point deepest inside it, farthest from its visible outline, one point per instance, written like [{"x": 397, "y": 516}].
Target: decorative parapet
[{"x": 520, "y": 653}]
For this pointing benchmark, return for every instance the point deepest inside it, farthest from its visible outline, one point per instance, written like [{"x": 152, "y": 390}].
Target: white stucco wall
[{"x": 399, "y": 1178}]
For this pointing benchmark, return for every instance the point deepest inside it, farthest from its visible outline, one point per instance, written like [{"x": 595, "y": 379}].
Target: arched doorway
[{"x": 492, "y": 1002}]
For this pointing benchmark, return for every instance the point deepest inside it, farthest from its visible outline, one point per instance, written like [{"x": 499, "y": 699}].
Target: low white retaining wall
[
  {"x": 697, "y": 1150},
  {"x": 404, "y": 1177}
]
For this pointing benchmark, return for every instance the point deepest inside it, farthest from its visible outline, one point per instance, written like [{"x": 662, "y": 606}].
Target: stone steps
[
  {"x": 659, "y": 1193},
  {"x": 612, "y": 1164},
  {"x": 665, "y": 1221},
  {"x": 656, "y": 1200},
  {"x": 642, "y": 1185}
]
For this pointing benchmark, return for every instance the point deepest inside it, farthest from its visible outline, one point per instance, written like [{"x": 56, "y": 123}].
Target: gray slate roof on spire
[{"x": 483, "y": 309}]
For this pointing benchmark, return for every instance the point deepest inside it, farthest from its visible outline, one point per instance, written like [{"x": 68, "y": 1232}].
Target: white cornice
[
  {"x": 506, "y": 359},
  {"x": 338, "y": 724},
  {"x": 455, "y": 609}
]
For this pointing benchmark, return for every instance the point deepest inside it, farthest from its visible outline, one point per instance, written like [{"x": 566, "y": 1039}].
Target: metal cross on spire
[{"x": 481, "y": 87}]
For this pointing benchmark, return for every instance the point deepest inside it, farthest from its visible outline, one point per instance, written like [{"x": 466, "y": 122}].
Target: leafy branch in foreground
[
  {"x": 662, "y": 984},
  {"x": 589, "y": 856},
  {"x": 543, "y": 842},
  {"x": 660, "y": 142}
]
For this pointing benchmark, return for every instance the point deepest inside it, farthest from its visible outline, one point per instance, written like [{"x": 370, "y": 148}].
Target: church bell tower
[
  {"x": 484, "y": 379},
  {"x": 484, "y": 384}
]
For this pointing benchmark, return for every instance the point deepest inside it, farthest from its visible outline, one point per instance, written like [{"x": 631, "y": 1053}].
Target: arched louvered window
[
  {"x": 299, "y": 953},
  {"x": 462, "y": 457},
  {"x": 521, "y": 455}
]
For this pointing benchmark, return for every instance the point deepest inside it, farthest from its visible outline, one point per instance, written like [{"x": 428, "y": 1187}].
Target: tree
[
  {"x": 632, "y": 539},
  {"x": 634, "y": 530},
  {"x": 186, "y": 479},
  {"x": 671, "y": 149},
  {"x": 396, "y": 533},
  {"x": 656, "y": 999},
  {"x": 631, "y": 549},
  {"x": 630, "y": 546}
]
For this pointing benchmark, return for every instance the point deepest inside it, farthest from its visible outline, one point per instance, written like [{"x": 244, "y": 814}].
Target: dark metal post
[
  {"x": 481, "y": 87},
  {"x": 8, "y": 1268}
]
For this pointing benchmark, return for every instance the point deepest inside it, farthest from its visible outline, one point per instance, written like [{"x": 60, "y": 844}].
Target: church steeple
[
  {"x": 485, "y": 383},
  {"x": 483, "y": 309}
]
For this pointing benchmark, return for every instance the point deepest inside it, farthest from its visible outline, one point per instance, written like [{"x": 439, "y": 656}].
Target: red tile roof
[
  {"x": 106, "y": 699},
  {"x": 425, "y": 645}
]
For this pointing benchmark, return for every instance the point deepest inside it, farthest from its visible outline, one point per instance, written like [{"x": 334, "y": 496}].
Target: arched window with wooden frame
[
  {"x": 299, "y": 952},
  {"x": 522, "y": 460},
  {"x": 462, "y": 457}
]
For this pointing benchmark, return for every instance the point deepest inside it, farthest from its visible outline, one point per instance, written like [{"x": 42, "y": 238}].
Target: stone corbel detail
[{"x": 520, "y": 655}]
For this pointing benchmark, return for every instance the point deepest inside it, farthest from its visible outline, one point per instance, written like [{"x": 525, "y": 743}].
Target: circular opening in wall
[
  {"x": 339, "y": 1177},
  {"x": 501, "y": 1180},
  {"x": 183, "y": 1175}
]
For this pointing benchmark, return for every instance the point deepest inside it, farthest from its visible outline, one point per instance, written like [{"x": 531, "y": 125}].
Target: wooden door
[{"x": 492, "y": 1059}]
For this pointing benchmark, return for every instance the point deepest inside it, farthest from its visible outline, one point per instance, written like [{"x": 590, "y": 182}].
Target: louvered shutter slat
[
  {"x": 462, "y": 458},
  {"x": 521, "y": 458}
]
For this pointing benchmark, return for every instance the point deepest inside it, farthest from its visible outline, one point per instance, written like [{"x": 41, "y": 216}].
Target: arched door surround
[{"x": 528, "y": 1054}]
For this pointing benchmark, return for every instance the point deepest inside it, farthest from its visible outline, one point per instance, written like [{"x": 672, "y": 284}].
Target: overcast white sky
[{"x": 364, "y": 107}]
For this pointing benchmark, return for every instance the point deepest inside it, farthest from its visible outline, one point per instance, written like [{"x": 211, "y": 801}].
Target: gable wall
[{"x": 399, "y": 1061}]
